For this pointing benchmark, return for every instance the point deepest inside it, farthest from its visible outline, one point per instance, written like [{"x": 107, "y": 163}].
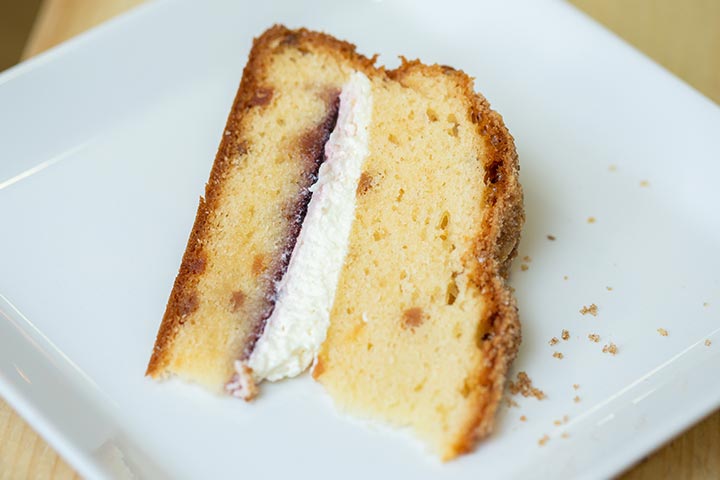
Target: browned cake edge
[
  {"x": 496, "y": 246},
  {"x": 183, "y": 298}
]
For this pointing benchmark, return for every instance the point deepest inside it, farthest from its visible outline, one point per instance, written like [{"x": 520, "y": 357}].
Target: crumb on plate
[
  {"x": 662, "y": 332},
  {"x": 543, "y": 440},
  {"x": 592, "y": 310},
  {"x": 551, "y": 238},
  {"x": 558, "y": 355},
  {"x": 524, "y": 387},
  {"x": 611, "y": 348},
  {"x": 565, "y": 335},
  {"x": 594, "y": 337},
  {"x": 553, "y": 341},
  {"x": 591, "y": 220}
]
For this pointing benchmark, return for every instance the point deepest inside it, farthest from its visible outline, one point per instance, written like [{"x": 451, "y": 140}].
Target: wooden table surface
[{"x": 682, "y": 36}]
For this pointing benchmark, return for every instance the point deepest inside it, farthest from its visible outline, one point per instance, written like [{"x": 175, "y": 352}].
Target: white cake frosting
[{"x": 297, "y": 326}]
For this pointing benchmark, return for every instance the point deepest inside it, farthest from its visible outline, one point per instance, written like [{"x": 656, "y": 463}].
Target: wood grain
[
  {"x": 682, "y": 36},
  {"x": 59, "y": 20}
]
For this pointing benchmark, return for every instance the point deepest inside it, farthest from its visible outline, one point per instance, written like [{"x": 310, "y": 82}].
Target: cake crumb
[
  {"x": 523, "y": 418},
  {"x": 662, "y": 332},
  {"x": 524, "y": 387},
  {"x": 510, "y": 402},
  {"x": 644, "y": 183},
  {"x": 705, "y": 304},
  {"x": 543, "y": 440},
  {"x": 565, "y": 335},
  {"x": 565, "y": 435},
  {"x": 523, "y": 267},
  {"x": 592, "y": 310},
  {"x": 551, "y": 238},
  {"x": 558, "y": 355},
  {"x": 611, "y": 348},
  {"x": 576, "y": 399},
  {"x": 565, "y": 277},
  {"x": 591, "y": 220},
  {"x": 564, "y": 420},
  {"x": 527, "y": 258},
  {"x": 612, "y": 168},
  {"x": 609, "y": 289},
  {"x": 708, "y": 342},
  {"x": 576, "y": 386},
  {"x": 553, "y": 341},
  {"x": 594, "y": 337}
]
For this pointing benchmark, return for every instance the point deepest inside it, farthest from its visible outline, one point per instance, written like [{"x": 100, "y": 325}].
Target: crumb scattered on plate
[
  {"x": 565, "y": 435},
  {"x": 565, "y": 335},
  {"x": 527, "y": 258},
  {"x": 523, "y": 418},
  {"x": 510, "y": 402},
  {"x": 523, "y": 267},
  {"x": 708, "y": 342},
  {"x": 609, "y": 289},
  {"x": 611, "y": 349},
  {"x": 612, "y": 168},
  {"x": 543, "y": 440},
  {"x": 576, "y": 386},
  {"x": 558, "y": 355},
  {"x": 591, "y": 220},
  {"x": 565, "y": 277},
  {"x": 592, "y": 310},
  {"x": 553, "y": 341},
  {"x": 565, "y": 419},
  {"x": 576, "y": 399},
  {"x": 662, "y": 332},
  {"x": 705, "y": 304},
  {"x": 644, "y": 183},
  {"x": 524, "y": 387},
  {"x": 594, "y": 337},
  {"x": 551, "y": 238}
]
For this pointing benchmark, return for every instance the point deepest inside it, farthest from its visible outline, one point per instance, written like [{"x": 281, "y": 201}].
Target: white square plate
[{"x": 106, "y": 143}]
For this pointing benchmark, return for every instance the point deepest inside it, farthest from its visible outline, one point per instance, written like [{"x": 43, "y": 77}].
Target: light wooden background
[{"x": 684, "y": 36}]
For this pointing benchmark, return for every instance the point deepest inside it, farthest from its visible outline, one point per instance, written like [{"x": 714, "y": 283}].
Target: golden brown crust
[{"x": 496, "y": 247}]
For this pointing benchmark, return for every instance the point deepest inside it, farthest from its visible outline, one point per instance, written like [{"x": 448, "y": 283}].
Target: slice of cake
[
  {"x": 361, "y": 219},
  {"x": 423, "y": 327},
  {"x": 234, "y": 278}
]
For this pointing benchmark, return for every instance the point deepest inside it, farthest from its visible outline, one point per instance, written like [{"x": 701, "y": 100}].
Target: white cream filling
[{"x": 297, "y": 327}]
